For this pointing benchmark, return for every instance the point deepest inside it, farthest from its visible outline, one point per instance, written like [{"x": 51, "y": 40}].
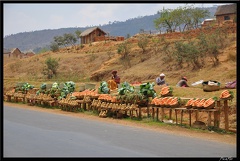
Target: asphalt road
[{"x": 28, "y": 133}]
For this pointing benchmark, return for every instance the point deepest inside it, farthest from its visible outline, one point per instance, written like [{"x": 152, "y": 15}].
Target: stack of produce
[
  {"x": 103, "y": 88},
  {"x": 201, "y": 103},
  {"x": 166, "y": 101},
  {"x": 226, "y": 94},
  {"x": 166, "y": 91},
  {"x": 10, "y": 93},
  {"x": 209, "y": 103},
  {"x": 24, "y": 87},
  {"x": 189, "y": 103}
]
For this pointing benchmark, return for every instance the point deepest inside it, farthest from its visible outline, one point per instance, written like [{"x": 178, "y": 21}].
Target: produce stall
[{"x": 123, "y": 102}]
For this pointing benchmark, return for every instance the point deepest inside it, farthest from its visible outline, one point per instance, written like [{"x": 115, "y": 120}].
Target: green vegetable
[{"x": 103, "y": 88}]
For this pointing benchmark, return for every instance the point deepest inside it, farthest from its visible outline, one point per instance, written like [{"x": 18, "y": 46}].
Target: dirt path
[{"x": 225, "y": 138}]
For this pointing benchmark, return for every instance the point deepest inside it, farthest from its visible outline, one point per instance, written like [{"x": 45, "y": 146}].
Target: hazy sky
[{"x": 27, "y": 17}]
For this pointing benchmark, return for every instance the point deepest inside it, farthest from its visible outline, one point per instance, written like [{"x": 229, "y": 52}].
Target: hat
[
  {"x": 114, "y": 71},
  {"x": 184, "y": 78},
  {"x": 162, "y": 75}
]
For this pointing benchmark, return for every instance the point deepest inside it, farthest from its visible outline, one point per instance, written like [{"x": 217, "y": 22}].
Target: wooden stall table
[
  {"x": 191, "y": 110},
  {"x": 162, "y": 112}
]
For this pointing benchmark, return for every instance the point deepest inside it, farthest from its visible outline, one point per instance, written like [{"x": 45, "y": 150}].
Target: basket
[
  {"x": 90, "y": 86},
  {"x": 210, "y": 88}
]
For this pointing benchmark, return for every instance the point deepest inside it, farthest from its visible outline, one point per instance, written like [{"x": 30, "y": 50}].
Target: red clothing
[{"x": 116, "y": 78}]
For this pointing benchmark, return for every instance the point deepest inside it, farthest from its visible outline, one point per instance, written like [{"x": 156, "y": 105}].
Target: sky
[{"x": 28, "y": 17}]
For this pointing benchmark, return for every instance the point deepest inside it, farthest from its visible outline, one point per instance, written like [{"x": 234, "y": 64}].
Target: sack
[{"x": 231, "y": 85}]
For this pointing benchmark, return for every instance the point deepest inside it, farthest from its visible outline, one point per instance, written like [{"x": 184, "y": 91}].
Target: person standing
[
  {"x": 182, "y": 82},
  {"x": 161, "y": 80}
]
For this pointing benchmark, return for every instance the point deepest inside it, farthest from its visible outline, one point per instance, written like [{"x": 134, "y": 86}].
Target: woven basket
[{"x": 210, "y": 88}]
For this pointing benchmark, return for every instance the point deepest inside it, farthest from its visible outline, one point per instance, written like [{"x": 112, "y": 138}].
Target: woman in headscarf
[
  {"x": 182, "y": 82},
  {"x": 115, "y": 80}
]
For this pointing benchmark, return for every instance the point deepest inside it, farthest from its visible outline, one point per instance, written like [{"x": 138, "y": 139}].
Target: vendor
[
  {"x": 182, "y": 82},
  {"x": 161, "y": 79},
  {"x": 114, "y": 81}
]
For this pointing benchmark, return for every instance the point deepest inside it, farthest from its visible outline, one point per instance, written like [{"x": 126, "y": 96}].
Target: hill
[
  {"x": 37, "y": 40},
  {"x": 94, "y": 63}
]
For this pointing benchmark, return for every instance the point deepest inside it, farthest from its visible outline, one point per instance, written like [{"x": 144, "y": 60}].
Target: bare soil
[{"x": 230, "y": 138}]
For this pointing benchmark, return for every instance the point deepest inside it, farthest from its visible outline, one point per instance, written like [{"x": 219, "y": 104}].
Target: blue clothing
[{"x": 160, "y": 81}]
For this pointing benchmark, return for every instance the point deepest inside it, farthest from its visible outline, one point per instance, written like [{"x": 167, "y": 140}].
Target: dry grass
[{"x": 98, "y": 59}]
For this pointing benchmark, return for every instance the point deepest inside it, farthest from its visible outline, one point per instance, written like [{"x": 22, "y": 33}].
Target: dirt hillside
[{"x": 94, "y": 63}]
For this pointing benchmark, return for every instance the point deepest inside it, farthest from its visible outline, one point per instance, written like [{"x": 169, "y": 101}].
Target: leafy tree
[
  {"x": 187, "y": 52},
  {"x": 54, "y": 46},
  {"x": 51, "y": 67},
  {"x": 124, "y": 49},
  {"x": 69, "y": 39},
  {"x": 165, "y": 19},
  {"x": 197, "y": 15},
  {"x": 172, "y": 18},
  {"x": 143, "y": 42},
  {"x": 59, "y": 40},
  {"x": 156, "y": 42},
  {"x": 78, "y": 33}
]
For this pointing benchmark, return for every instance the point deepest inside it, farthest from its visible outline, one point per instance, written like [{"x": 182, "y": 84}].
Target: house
[
  {"x": 28, "y": 54},
  {"x": 208, "y": 22},
  {"x": 92, "y": 35},
  {"x": 15, "y": 52},
  {"x": 226, "y": 13}
]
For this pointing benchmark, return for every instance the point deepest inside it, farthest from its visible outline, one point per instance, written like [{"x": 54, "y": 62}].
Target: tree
[
  {"x": 78, "y": 33},
  {"x": 188, "y": 16},
  {"x": 69, "y": 39},
  {"x": 51, "y": 67},
  {"x": 124, "y": 49},
  {"x": 59, "y": 40},
  {"x": 54, "y": 46},
  {"x": 143, "y": 42},
  {"x": 165, "y": 20}
]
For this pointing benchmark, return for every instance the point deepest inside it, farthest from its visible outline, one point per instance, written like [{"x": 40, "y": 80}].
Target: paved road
[{"x": 29, "y": 133}]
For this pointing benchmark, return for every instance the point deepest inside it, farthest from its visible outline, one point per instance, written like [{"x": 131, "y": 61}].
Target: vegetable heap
[
  {"x": 147, "y": 90},
  {"x": 56, "y": 90},
  {"x": 103, "y": 88},
  {"x": 126, "y": 88},
  {"x": 24, "y": 87}
]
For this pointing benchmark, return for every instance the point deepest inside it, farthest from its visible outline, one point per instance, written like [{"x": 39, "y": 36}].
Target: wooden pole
[
  {"x": 153, "y": 112},
  {"x": 162, "y": 113},
  {"x": 226, "y": 114}
]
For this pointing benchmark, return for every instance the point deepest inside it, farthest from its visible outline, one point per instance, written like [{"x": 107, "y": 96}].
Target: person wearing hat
[
  {"x": 161, "y": 79},
  {"x": 115, "y": 80},
  {"x": 182, "y": 82}
]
